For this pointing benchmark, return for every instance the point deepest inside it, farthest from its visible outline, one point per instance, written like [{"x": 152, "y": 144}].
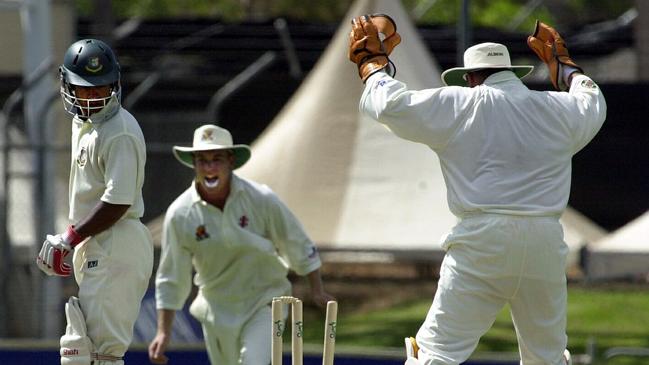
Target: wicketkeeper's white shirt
[
  {"x": 241, "y": 255},
  {"x": 502, "y": 147},
  {"x": 108, "y": 158}
]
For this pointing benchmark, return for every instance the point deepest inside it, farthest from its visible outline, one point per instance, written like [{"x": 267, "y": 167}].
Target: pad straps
[{"x": 102, "y": 357}]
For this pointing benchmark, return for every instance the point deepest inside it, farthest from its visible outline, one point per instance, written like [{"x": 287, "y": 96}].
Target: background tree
[{"x": 504, "y": 14}]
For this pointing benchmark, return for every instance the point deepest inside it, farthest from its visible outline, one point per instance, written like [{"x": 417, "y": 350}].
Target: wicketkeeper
[
  {"x": 112, "y": 249},
  {"x": 505, "y": 153}
]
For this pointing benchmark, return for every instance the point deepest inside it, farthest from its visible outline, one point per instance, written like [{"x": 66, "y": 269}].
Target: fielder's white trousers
[
  {"x": 493, "y": 260},
  {"x": 113, "y": 270},
  {"x": 245, "y": 343}
]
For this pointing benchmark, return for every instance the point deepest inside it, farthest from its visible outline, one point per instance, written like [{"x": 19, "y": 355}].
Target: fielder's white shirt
[
  {"x": 502, "y": 147},
  {"x": 241, "y": 254},
  {"x": 108, "y": 158}
]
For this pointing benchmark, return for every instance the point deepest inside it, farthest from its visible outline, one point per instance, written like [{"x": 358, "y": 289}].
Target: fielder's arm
[
  {"x": 159, "y": 344},
  {"x": 319, "y": 296}
]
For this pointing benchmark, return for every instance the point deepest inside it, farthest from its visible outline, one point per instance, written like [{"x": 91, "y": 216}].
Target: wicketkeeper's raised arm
[
  {"x": 366, "y": 49},
  {"x": 547, "y": 43}
]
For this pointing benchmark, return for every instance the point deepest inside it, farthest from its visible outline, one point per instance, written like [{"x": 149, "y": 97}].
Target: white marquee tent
[
  {"x": 622, "y": 254},
  {"x": 353, "y": 184}
]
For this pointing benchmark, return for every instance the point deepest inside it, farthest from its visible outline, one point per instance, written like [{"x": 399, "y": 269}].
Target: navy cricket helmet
[{"x": 88, "y": 63}]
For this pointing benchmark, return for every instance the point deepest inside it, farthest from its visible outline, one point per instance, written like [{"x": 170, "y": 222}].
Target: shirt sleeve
[
  {"x": 290, "y": 239},
  {"x": 121, "y": 166},
  {"x": 173, "y": 279},
  {"x": 429, "y": 116},
  {"x": 590, "y": 110}
]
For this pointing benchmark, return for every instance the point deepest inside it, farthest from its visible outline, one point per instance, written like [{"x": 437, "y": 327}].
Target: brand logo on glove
[
  {"x": 69, "y": 352},
  {"x": 201, "y": 233},
  {"x": 495, "y": 54},
  {"x": 93, "y": 263},
  {"x": 243, "y": 221}
]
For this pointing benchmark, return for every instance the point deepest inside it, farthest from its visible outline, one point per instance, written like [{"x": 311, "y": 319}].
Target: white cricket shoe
[
  {"x": 411, "y": 361},
  {"x": 566, "y": 356}
]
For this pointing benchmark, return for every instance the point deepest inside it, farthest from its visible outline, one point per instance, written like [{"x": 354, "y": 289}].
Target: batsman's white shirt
[
  {"x": 108, "y": 159},
  {"x": 505, "y": 152},
  {"x": 241, "y": 256},
  {"x": 114, "y": 266}
]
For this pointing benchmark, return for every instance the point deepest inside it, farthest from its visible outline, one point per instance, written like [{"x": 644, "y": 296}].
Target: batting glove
[{"x": 51, "y": 258}]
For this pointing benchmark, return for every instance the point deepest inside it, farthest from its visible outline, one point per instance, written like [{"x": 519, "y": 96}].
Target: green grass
[{"x": 612, "y": 317}]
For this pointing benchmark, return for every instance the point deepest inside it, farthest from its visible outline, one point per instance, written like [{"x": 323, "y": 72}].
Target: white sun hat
[
  {"x": 209, "y": 138},
  {"x": 483, "y": 56}
]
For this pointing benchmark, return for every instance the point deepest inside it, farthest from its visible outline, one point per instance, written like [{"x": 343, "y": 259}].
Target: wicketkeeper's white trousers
[
  {"x": 113, "y": 270},
  {"x": 491, "y": 261}
]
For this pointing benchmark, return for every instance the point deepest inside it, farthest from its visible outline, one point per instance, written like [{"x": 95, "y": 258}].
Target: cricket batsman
[
  {"x": 505, "y": 152},
  {"x": 112, "y": 250}
]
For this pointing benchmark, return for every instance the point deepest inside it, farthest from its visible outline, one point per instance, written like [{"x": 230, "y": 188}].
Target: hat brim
[
  {"x": 186, "y": 154},
  {"x": 453, "y": 76}
]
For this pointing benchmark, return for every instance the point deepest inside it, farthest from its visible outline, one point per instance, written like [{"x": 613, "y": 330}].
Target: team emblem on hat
[
  {"x": 94, "y": 65},
  {"x": 207, "y": 135}
]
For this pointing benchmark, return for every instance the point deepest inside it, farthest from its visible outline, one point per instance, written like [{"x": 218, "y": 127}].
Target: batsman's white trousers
[
  {"x": 113, "y": 270},
  {"x": 493, "y": 260}
]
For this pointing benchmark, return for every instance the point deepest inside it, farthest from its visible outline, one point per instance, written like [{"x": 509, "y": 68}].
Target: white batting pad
[{"x": 76, "y": 347}]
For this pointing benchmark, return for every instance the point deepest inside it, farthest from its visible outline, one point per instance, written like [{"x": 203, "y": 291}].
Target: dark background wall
[{"x": 611, "y": 175}]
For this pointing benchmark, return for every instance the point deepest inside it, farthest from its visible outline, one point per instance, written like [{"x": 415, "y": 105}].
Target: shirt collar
[{"x": 499, "y": 77}]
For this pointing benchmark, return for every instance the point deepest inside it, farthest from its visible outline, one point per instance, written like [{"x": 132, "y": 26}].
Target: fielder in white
[
  {"x": 241, "y": 240},
  {"x": 113, "y": 250},
  {"x": 505, "y": 153}
]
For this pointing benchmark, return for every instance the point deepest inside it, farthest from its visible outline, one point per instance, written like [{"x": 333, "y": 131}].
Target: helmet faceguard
[{"x": 89, "y": 63}]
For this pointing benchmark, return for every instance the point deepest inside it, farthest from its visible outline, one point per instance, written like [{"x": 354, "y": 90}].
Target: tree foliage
[{"x": 510, "y": 14}]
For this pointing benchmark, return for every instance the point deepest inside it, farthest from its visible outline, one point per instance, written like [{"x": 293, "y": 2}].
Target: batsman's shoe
[
  {"x": 566, "y": 356},
  {"x": 411, "y": 347}
]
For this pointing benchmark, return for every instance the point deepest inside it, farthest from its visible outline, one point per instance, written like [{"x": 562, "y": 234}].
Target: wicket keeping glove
[
  {"x": 51, "y": 258},
  {"x": 547, "y": 43},
  {"x": 367, "y": 50}
]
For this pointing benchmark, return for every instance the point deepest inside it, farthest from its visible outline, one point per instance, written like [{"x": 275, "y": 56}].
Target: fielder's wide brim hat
[
  {"x": 483, "y": 56},
  {"x": 208, "y": 138}
]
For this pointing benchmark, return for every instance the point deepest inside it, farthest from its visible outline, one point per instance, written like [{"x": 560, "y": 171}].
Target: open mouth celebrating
[{"x": 210, "y": 182}]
